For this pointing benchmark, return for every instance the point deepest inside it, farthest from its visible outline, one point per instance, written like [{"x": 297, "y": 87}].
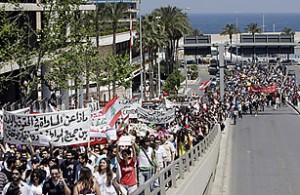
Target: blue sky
[{"x": 226, "y": 6}]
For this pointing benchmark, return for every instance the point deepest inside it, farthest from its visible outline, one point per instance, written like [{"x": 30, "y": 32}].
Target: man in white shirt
[
  {"x": 17, "y": 186},
  {"x": 147, "y": 161},
  {"x": 160, "y": 154},
  {"x": 169, "y": 148}
]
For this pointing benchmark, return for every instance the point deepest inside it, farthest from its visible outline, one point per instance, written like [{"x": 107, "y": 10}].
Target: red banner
[{"x": 270, "y": 89}]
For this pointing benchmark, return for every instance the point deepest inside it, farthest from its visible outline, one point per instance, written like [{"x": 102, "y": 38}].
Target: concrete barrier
[{"x": 198, "y": 180}]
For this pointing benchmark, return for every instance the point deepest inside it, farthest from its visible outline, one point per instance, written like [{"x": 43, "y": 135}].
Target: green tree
[
  {"x": 16, "y": 37},
  {"x": 172, "y": 83},
  {"x": 154, "y": 37},
  {"x": 196, "y": 32},
  {"x": 67, "y": 36},
  {"x": 112, "y": 69},
  {"x": 287, "y": 31},
  {"x": 175, "y": 23},
  {"x": 114, "y": 12},
  {"x": 230, "y": 29},
  {"x": 253, "y": 28}
]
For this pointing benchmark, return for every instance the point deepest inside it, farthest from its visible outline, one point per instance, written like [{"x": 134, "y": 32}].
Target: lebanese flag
[
  {"x": 123, "y": 124},
  {"x": 112, "y": 111},
  {"x": 204, "y": 85}
]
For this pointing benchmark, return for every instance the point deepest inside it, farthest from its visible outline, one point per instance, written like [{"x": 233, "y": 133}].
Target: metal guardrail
[{"x": 177, "y": 169}]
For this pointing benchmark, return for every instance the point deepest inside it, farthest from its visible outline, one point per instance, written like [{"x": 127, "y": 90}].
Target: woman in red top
[{"x": 127, "y": 165}]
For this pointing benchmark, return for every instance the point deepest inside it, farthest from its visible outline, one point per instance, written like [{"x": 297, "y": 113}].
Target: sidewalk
[{"x": 222, "y": 177}]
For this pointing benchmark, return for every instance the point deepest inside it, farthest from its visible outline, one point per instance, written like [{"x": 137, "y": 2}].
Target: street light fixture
[{"x": 141, "y": 51}]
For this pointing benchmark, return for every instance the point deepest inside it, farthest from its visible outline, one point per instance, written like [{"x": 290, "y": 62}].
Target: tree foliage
[
  {"x": 253, "y": 28},
  {"x": 287, "y": 31},
  {"x": 230, "y": 29}
]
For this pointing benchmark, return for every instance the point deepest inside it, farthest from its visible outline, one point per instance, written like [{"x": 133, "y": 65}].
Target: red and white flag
[
  {"x": 112, "y": 111},
  {"x": 204, "y": 85},
  {"x": 123, "y": 124}
]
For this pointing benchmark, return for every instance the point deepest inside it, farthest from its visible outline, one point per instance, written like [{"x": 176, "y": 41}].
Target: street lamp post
[
  {"x": 141, "y": 52},
  {"x": 221, "y": 63}
]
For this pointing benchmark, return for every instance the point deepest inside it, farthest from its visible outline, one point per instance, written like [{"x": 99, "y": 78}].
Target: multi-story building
[{"x": 35, "y": 11}]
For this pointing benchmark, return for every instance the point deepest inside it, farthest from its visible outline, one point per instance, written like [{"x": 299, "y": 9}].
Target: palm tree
[
  {"x": 154, "y": 37},
  {"x": 196, "y": 32},
  {"x": 230, "y": 29},
  {"x": 253, "y": 28},
  {"x": 176, "y": 25},
  {"x": 115, "y": 12},
  {"x": 287, "y": 31}
]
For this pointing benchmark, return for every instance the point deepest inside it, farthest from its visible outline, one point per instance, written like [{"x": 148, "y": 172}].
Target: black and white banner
[
  {"x": 130, "y": 107},
  {"x": 61, "y": 128},
  {"x": 155, "y": 116}
]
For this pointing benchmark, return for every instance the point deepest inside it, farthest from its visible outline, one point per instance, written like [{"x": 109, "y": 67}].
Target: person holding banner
[{"x": 127, "y": 164}]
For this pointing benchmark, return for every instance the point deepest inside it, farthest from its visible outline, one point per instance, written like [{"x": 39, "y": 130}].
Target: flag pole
[{"x": 131, "y": 37}]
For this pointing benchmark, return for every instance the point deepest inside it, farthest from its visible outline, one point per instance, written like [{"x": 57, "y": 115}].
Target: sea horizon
[{"x": 212, "y": 23}]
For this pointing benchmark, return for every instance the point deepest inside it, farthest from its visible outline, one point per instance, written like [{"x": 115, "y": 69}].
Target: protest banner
[
  {"x": 156, "y": 116},
  {"x": 64, "y": 127},
  {"x": 130, "y": 107},
  {"x": 267, "y": 90},
  {"x": 21, "y": 111}
]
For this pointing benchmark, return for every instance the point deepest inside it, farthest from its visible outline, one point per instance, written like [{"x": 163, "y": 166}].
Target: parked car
[{"x": 290, "y": 62}]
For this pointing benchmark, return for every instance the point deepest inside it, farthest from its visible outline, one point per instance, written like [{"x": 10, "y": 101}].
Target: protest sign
[
  {"x": 130, "y": 107},
  {"x": 20, "y": 111},
  {"x": 125, "y": 141},
  {"x": 64, "y": 127},
  {"x": 156, "y": 116},
  {"x": 111, "y": 134}
]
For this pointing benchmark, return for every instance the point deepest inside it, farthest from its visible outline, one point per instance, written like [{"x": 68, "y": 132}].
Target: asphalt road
[{"x": 265, "y": 154}]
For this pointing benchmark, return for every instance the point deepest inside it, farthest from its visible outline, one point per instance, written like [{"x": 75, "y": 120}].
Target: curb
[
  {"x": 222, "y": 176},
  {"x": 294, "y": 107}
]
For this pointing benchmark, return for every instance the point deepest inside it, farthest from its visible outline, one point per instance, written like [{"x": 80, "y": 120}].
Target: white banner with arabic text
[
  {"x": 156, "y": 116},
  {"x": 62, "y": 128}
]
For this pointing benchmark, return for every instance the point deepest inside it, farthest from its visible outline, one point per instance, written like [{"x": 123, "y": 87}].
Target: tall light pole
[
  {"x": 141, "y": 52},
  {"x": 221, "y": 65},
  {"x": 236, "y": 48}
]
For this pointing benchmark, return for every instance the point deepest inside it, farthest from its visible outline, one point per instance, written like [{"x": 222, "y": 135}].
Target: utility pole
[
  {"x": 221, "y": 65},
  {"x": 141, "y": 53}
]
